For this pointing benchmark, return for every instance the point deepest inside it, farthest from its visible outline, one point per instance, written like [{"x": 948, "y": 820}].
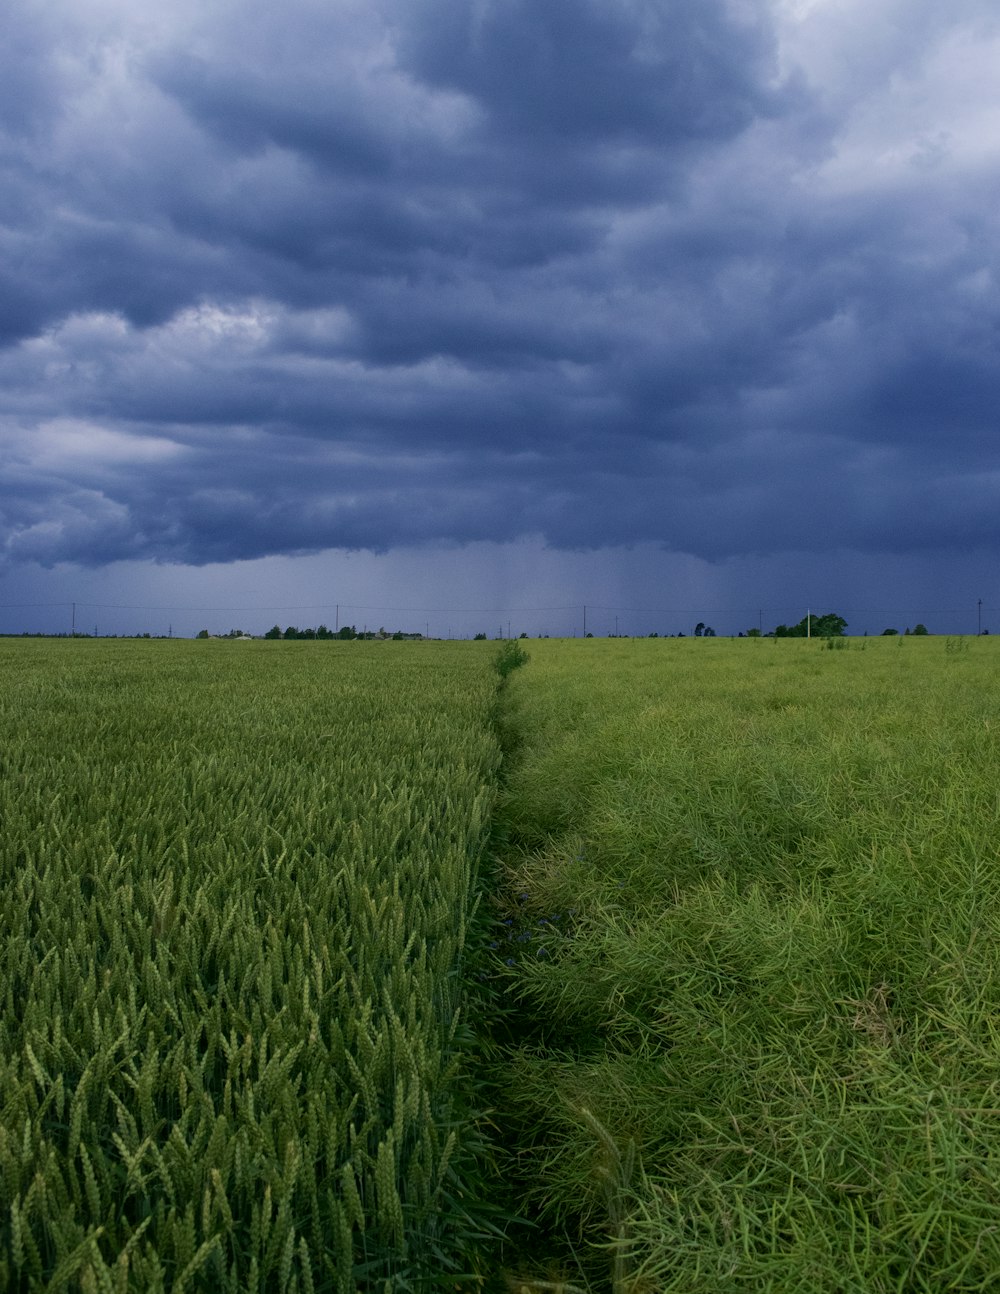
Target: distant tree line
[
  {"x": 829, "y": 626},
  {"x": 345, "y": 633},
  {"x": 321, "y": 631}
]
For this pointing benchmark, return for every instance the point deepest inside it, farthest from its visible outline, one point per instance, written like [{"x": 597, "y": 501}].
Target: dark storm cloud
[
  {"x": 716, "y": 274},
  {"x": 28, "y": 94},
  {"x": 583, "y": 70}
]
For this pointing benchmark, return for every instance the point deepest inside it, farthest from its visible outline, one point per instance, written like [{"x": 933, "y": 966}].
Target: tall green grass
[
  {"x": 753, "y": 940},
  {"x": 236, "y": 883}
]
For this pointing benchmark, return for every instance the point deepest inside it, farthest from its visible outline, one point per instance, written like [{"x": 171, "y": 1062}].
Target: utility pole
[
  {"x": 72, "y": 631},
  {"x": 760, "y": 621},
  {"x": 809, "y": 623},
  {"x": 336, "y": 620},
  {"x": 979, "y": 618},
  {"x": 616, "y": 626},
  {"x": 585, "y": 622}
]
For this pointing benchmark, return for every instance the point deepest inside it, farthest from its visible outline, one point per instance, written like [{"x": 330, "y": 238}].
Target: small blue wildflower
[
  {"x": 510, "y": 961},
  {"x": 543, "y": 921},
  {"x": 494, "y": 944},
  {"x": 542, "y": 952}
]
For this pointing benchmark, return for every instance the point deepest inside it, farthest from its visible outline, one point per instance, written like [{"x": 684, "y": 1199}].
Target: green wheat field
[{"x": 653, "y": 965}]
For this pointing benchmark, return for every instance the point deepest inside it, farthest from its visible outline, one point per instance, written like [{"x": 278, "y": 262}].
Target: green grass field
[
  {"x": 236, "y": 882},
  {"x": 741, "y": 1007},
  {"x": 752, "y": 958}
]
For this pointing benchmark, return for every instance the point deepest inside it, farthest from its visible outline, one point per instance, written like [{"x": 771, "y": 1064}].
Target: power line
[
  {"x": 755, "y": 611},
  {"x": 363, "y": 606},
  {"x": 310, "y": 606}
]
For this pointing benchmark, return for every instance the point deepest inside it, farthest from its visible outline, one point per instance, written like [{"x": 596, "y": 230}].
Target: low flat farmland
[
  {"x": 743, "y": 993},
  {"x": 235, "y": 881},
  {"x": 750, "y": 949}
]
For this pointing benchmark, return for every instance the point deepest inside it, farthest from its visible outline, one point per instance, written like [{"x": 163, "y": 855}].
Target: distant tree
[
  {"x": 479, "y": 638},
  {"x": 699, "y": 629},
  {"x": 522, "y": 635},
  {"x": 273, "y": 632},
  {"x": 753, "y": 633},
  {"x": 323, "y": 632},
  {"x": 589, "y": 635},
  {"x": 654, "y": 634},
  {"x": 709, "y": 632},
  {"x": 347, "y": 632},
  {"x": 202, "y": 633},
  {"x": 829, "y": 626},
  {"x": 922, "y": 630},
  {"x": 890, "y": 633},
  {"x": 291, "y": 632}
]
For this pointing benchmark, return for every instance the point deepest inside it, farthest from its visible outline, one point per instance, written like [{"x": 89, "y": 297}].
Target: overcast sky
[{"x": 455, "y": 312}]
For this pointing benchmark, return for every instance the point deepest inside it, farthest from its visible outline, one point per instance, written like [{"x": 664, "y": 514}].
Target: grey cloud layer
[{"x": 608, "y": 271}]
